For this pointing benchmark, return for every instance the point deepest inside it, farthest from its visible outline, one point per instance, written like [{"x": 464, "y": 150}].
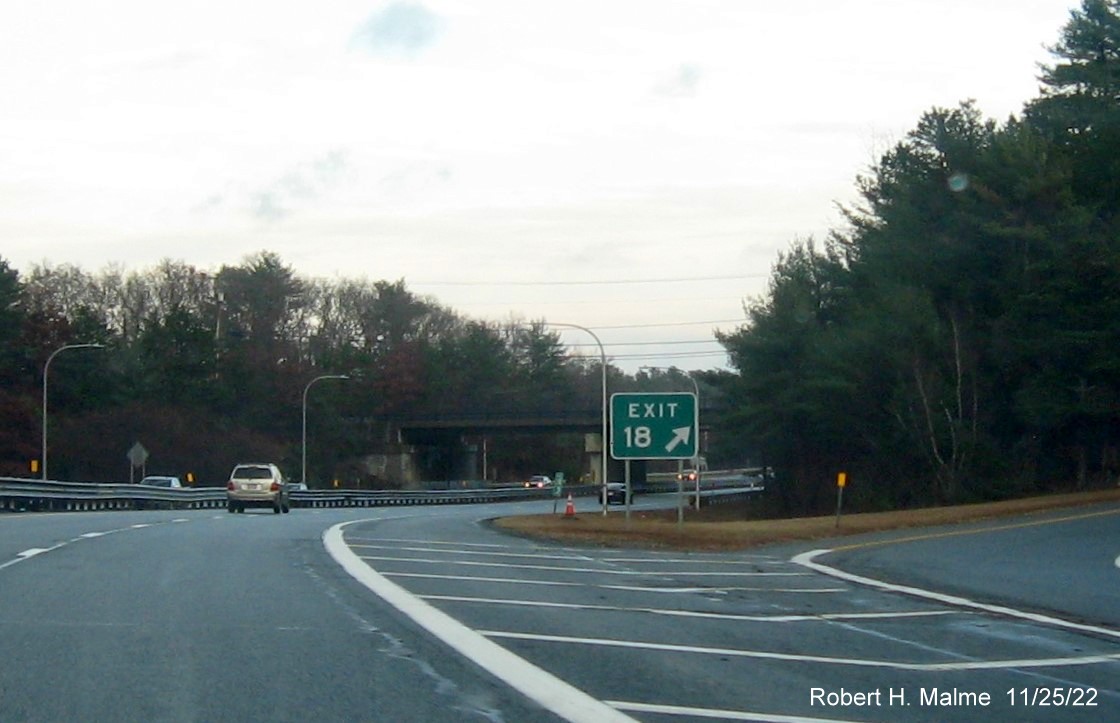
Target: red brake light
[
  {"x": 230, "y": 485},
  {"x": 275, "y": 487}
]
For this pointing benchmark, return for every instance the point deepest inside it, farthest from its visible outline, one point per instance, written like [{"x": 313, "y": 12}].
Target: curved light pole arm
[
  {"x": 46, "y": 371},
  {"x": 303, "y": 445},
  {"x": 603, "y": 373}
]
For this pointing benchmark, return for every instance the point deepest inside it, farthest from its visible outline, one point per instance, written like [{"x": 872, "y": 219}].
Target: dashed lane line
[
  {"x": 28, "y": 554},
  {"x": 36, "y": 551}
]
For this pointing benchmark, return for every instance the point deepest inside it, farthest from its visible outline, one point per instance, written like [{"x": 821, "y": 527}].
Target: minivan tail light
[
  {"x": 275, "y": 487},
  {"x": 230, "y": 485}
]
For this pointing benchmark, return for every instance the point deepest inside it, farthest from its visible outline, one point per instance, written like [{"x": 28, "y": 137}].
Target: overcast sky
[{"x": 632, "y": 166}]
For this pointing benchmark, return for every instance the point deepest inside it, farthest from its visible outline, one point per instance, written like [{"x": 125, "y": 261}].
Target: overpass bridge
[
  {"x": 422, "y": 427},
  {"x": 453, "y": 436}
]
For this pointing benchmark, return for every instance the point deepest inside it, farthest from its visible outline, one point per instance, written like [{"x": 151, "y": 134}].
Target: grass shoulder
[{"x": 743, "y": 525}]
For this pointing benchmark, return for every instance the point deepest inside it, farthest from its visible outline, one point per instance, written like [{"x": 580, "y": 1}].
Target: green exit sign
[{"x": 653, "y": 426}]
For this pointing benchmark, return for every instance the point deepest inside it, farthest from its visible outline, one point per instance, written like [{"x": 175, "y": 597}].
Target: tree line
[
  {"x": 959, "y": 338},
  {"x": 209, "y": 369}
]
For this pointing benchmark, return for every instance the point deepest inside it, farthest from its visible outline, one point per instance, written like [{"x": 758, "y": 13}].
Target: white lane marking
[
  {"x": 368, "y": 543},
  {"x": 806, "y": 559},
  {"x": 694, "y": 560},
  {"x": 28, "y": 554},
  {"x": 552, "y": 693},
  {"x": 366, "y": 546},
  {"x": 693, "y": 613},
  {"x": 35, "y": 551},
  {"x": 724, "y": 590},
  {"x": 457, "y": 545},
  {"x": 718, "y": 713},
  {"x": 858, "y": 662},
  {"x": 629, "y": 588},
  {"x": 475, "y": 578},
  {"x": 643, "y": 573}
]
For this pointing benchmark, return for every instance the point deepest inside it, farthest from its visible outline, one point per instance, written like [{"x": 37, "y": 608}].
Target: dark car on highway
[{"x": 616, "y": 493}]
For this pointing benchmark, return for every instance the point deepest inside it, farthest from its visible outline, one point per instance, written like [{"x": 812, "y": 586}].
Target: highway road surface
[{"x": 429, "y": 614}]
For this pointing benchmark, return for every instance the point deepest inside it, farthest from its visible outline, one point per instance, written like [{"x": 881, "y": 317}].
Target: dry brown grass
[{"x": 725, "y": 527}]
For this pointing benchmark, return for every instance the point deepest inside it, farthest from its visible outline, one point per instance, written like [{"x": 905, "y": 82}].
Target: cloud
[
  {"x": 683, "y": 83},
  {"x": 303, "y": 182},
  {"x": 267, "y": 206},
  {"x": 274, "y": 200},
  {"x": 401, "y": 28}
]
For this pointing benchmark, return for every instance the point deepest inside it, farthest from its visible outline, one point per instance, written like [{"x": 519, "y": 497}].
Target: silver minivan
[{"x": 257, "y": 485}]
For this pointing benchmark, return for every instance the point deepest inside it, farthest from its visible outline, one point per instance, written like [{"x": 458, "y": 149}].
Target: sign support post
[
  {"x": 626, "y": 491},
  {"x": 655, "y": 426}
]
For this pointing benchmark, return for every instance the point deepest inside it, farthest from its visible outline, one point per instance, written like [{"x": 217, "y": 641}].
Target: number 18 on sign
[{"x": 653, "y": 426}]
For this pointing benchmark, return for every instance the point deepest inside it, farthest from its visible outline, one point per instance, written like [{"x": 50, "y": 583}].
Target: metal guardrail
[
  {"x": 24, "y": 495},
  {"x": 716, "y": 486},
  {"x": 721, "y": 496}
]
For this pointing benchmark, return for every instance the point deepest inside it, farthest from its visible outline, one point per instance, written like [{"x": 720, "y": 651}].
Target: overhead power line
[
  {"x": 601, "y": 282},
  {"x": 670, "y": 355},
  {"x": 612, "y": 344},
  {"x": 674, "y": 323}
]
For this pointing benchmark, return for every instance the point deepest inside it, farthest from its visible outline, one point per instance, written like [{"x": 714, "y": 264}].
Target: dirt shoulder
[{"x": 735, "y": 527}]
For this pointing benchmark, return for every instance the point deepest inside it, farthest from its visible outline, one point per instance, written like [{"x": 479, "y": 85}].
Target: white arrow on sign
[{"x": 680, "y": 435}]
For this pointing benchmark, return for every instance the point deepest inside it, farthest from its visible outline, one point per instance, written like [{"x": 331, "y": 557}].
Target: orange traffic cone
[{"x": 570, "y": 509}]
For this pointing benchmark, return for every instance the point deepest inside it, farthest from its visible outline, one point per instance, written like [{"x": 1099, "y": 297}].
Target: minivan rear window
[{"x": 253, "y": 473}]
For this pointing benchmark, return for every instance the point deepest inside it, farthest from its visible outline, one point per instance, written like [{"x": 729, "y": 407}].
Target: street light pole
[
  {"x": 603, "y": 374},
  {"x": 303, "y": 470},
  {"x": 46, "y": 370}
]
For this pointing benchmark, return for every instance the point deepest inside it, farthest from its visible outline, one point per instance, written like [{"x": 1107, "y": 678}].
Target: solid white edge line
[
  {"x": 807, "y": 559},
  {"x": 552, "y": 693}
]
